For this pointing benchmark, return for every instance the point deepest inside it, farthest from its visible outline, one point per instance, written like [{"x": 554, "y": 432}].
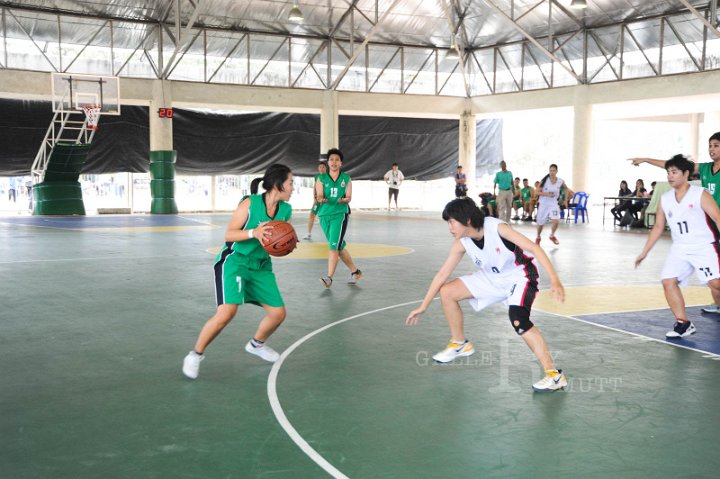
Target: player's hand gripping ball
[{"x": 283, "y": 240}]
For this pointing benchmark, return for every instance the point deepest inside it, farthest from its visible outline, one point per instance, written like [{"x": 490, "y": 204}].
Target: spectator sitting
[
  {"x": 517, "y": 199},
  {"x": 526, "y": 196},
  {"x": 488, "y": 204},
  {"x": 634, "y": 206},
  {"x": 533, "y": 200},
  {"x": 622, "y": 206}
]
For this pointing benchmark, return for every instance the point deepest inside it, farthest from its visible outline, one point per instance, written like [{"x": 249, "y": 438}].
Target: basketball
[{"x": 283, "y": 240}]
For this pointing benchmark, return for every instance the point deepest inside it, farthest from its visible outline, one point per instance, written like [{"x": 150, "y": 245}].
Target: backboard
[{"x": 71, "y": 92}]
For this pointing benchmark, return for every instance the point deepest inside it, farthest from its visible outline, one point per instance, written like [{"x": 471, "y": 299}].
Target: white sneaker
[
  {"x": 714, "y": 309},
  {"x": 265, "y": 352},
  {"x": 553, "y": 380},
  {"x": 327, "y": 281},
  {"x": 681, "y": 330},
  {"x": 354, "y": 277},
  {"x": 454, "y": 350},
  {"x": 308, "y": 238},
  {"x": 191, "y": 364}
]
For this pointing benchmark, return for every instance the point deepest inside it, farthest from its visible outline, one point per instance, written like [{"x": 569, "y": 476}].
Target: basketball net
[{"x": 92, "y": 113}]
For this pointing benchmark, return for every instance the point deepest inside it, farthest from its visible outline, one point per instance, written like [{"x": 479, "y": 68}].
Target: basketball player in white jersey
[
  {"x": 505, "y": 273},
  {"x": 693, "y": 218},
  {"x": 548, "y": 207}
]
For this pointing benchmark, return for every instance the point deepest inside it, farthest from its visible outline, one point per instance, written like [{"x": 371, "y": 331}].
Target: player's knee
[
  {"x": 670, "y": 283},
  {"x": 278, "y": 314},
  {"x": 448, "y": 293},
  {"x": 520, "y": 319}
]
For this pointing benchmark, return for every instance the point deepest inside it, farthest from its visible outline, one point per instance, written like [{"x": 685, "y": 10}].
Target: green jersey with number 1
[
  {"x": 710, "y": 181},
  {"x": 333, "y": 191}
]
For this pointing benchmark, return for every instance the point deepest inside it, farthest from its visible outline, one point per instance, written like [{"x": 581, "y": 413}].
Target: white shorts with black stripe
[
  {"x": 513, "y": 289},
  {"x": 680, "y": 263}
]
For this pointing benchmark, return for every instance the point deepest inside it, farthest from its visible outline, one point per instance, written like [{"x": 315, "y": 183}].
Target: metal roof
[{"x": 370, "y": 45}]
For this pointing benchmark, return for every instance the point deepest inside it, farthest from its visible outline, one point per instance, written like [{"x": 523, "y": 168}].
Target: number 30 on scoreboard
[{"x": 165, "y": 112}]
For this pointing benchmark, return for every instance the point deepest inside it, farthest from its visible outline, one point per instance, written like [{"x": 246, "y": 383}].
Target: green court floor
[{"x": 98, "y": 314}]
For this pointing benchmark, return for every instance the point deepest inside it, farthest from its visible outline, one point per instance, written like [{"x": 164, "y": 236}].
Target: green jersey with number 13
[{"x": 333, "y": 191}]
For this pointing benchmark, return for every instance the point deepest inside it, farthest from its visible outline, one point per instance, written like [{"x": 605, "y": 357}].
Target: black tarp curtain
[{"x": 215, "y": 143}]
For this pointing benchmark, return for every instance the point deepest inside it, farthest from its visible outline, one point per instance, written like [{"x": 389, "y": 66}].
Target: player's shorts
[
  {"x": 513, "y": 290},
  {"x": 334, "y": 227},
  {"x": 547, "y": 213},
  {"x": 240, "y": 280},
  {"x": 314, "y": 209},
  {"x": 517, "y": 203},
  {"x": 680, "y": 263}
]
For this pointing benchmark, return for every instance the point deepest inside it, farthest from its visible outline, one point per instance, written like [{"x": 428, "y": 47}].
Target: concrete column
[
  {"x": 162, "y": 155},
  {"x": 467, "y": 149},
  {"x": 160, "y": 128},
  {"x": 695, "y": 137},
  {"x": 582, "y": 135},
  {"x": 329, "y": 122}
]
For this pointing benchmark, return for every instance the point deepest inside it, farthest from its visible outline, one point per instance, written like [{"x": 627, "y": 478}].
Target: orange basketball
[{"x": 283, "y": 240}]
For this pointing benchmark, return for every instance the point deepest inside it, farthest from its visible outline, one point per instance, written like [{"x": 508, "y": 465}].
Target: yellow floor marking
[
  {"x": 616, "y": 299},
  {"x": 308, "y": 250}
]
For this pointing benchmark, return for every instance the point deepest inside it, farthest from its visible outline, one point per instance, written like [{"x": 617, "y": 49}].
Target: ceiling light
[
  {"x": 578, "y": 4},
  {"x": 296, "y": 14},
  {"x": 452, "y": 53}
]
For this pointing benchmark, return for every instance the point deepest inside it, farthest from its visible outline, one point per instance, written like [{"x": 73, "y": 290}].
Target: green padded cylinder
[
  {"x": 165, "y": 206},
  {"x": 58, "y": 198},
  {"x": 162, "y": 182},
  {"x": 162, "y": 171},
  {"x": 162, "y": 188}
]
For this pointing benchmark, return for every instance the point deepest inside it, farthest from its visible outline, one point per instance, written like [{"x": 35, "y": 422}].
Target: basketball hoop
[{"x": 92, "y": 113}]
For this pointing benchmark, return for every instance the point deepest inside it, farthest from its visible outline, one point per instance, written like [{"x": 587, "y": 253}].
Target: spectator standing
[
  {"x": 394, "y": 178},
  {"x": 460, "y": 183},
  {"x": 503, "y": 182}
]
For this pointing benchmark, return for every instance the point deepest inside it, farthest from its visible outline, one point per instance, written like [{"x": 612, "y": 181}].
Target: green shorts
[
  {"x": 334, "y": 227},
  {"x": 313, "y": 210},
  {"x": 240, "y": 280},
  {"x": 517, "y": 203}
]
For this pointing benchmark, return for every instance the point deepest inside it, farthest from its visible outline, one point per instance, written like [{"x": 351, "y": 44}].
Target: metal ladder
[{"x": 66, "y": 127}]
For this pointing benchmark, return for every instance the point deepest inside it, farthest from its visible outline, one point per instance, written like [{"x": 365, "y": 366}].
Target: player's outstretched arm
[
  {"x": 651, "y": 161},
  {"x": 556, "y": 288},
  {"x": 654, "y": 235},
  {"x": 658, "y": 163},
  {"x": 456, "y": 253}
]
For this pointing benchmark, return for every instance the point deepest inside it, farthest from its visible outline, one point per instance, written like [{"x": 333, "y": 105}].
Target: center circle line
[{"x": 275, "y": 401}]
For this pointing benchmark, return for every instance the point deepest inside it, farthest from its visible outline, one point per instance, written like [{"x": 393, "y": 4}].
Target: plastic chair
[{"x": 578, "y": 205}]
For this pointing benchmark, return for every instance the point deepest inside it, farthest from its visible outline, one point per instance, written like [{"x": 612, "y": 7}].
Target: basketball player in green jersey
[
  {"x": 333, "y": 191},
  {"x": 709, "y": 179},
  {"x": 322, "y": 168},
  {"x": 243, "y": 269}
]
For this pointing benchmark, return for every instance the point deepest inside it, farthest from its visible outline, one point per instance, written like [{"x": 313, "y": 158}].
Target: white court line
[
  {"x": 706, "y": 354},
  {"x": 275, "y": 402},
  {"x": 321, "y": 461},
  {"x": 100, "y": 258}
]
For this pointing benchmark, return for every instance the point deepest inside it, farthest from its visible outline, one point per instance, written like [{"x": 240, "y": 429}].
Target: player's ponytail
[{"x": 542, "y": 182}]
